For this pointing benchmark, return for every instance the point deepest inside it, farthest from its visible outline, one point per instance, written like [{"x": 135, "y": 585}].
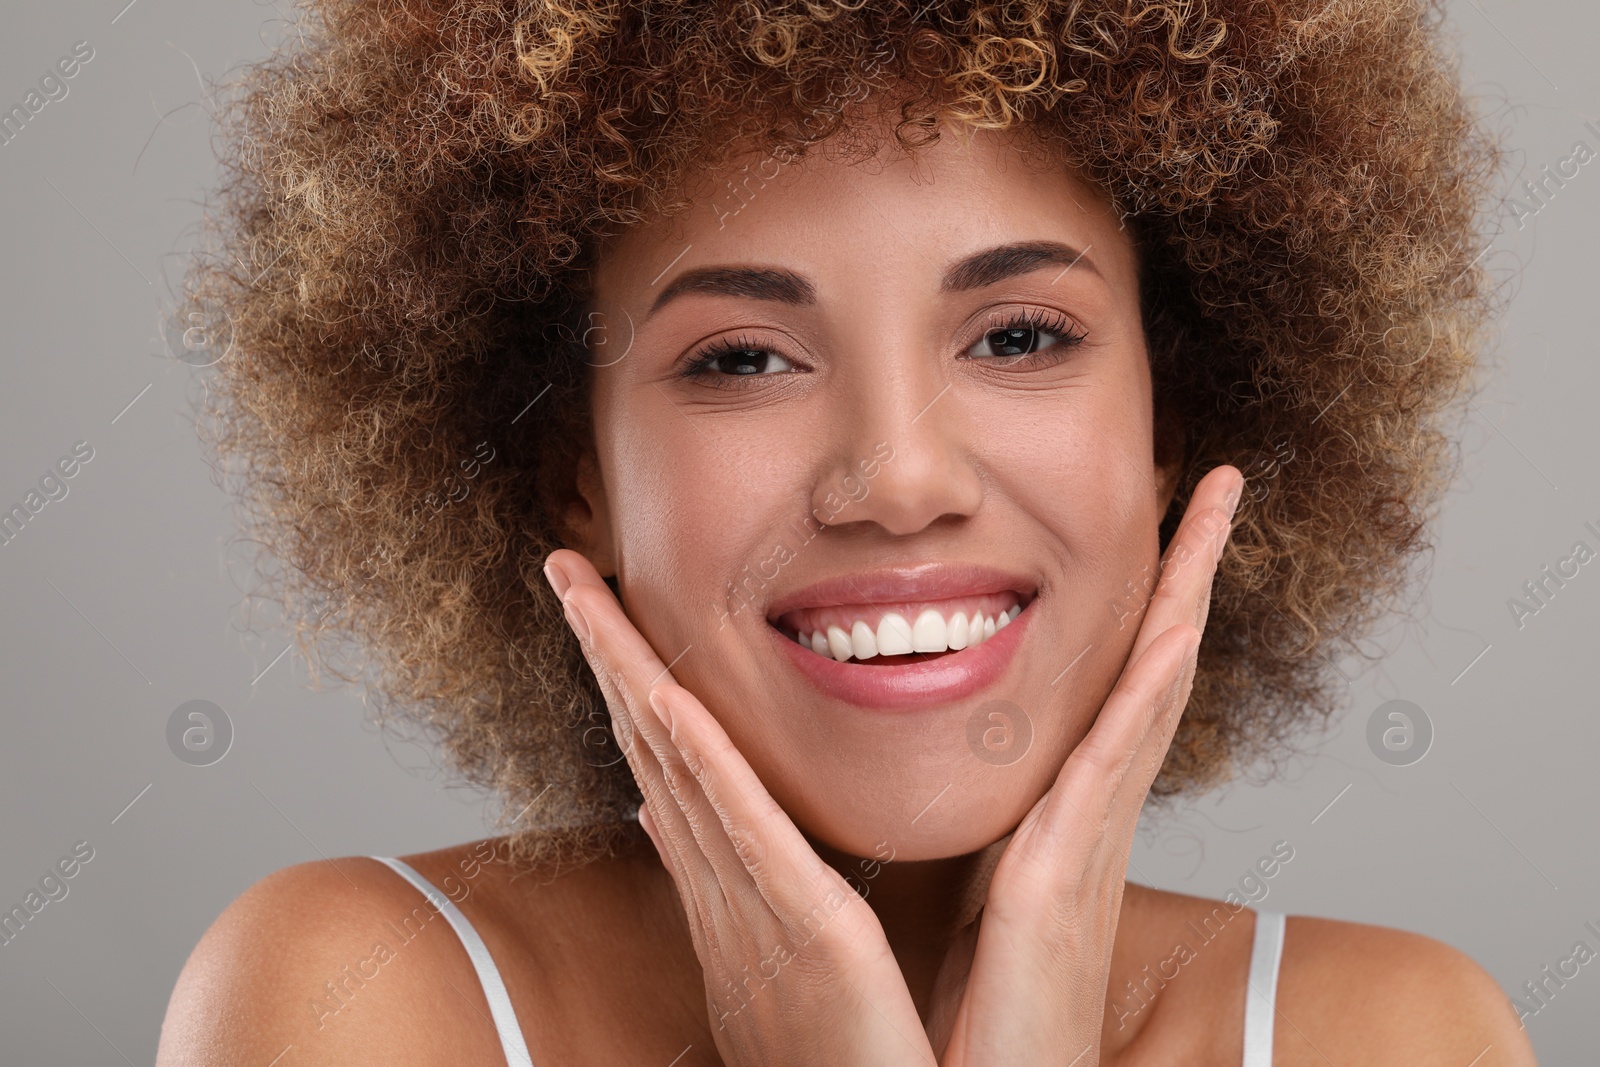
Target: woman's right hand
[{"x": 797, "y": 967}]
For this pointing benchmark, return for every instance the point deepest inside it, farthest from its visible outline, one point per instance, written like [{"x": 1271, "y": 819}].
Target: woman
[{"x": 890, "y": 397}]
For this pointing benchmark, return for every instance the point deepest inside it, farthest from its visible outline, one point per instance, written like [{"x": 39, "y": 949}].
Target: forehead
[{"x": 871, "y": 220}]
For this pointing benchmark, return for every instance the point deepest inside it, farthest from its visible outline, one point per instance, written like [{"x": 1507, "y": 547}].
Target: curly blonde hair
[{"x": 413, "y": 196}]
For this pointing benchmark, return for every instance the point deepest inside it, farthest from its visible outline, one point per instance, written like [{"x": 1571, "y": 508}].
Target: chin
[
  {"x": 970, "y": 831},
  {"x": 924, "y": 801}
]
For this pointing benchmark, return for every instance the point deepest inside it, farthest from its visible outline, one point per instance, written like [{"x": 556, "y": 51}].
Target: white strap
[
  {"x": 505, "y": 1017},
  {"x": 1260, "y": 1000}
]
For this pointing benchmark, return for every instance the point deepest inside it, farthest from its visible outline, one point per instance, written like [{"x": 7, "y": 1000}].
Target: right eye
[{"x": 737, "y": 359}]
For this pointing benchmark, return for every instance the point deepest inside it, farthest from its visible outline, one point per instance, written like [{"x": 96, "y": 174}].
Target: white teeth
[
  {"x": 956, "y": 632},
  {"x": 894, "y": 635},
  {"x": 839, "y": 644},
  {"x": 863, "y": 640},
  {"x": 928, "y": 632}
]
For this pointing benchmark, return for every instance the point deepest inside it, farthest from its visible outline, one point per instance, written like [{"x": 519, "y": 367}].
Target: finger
[
  {"x": 1183, "y": 590},
  {"x": 747, "y": 828},
  {"x": 1136, "y": 724},
  {"x": 721, "y": 834},
  {"x": 1136, "y": 702},
  {"x": 625, "y": 665},
  {"x": 626, "y": 653},
  {"x": 732, "y": 820},
  {"x": 628, "y": 668},
  {"x": 672, "y": 859},
  {"x": 1160, "y": 723},
  {"x": 1096, "y": 776},
  {"x": 605, "y": 645},
  {"x": 1082, "y": 828}
]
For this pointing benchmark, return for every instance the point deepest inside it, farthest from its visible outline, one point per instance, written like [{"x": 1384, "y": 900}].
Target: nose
[{"x": 907, "y": 460}]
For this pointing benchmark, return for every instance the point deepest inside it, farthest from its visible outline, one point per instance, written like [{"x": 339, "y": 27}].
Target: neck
[{"x": 923, "y": 905}]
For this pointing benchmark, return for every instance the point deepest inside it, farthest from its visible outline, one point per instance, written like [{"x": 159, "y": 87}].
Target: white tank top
[{"x": 1265, "y": 954}]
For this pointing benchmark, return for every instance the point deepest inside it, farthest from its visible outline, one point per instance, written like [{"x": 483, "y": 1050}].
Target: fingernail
[
  {"x": 658, "y": 704},
  {"x": 576, "y": 620},
  {"x": 1233, "y": 500},
  {"x": 557, "y": 579}
]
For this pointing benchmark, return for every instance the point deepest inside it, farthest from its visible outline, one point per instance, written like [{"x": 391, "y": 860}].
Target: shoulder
[
  {"x": 1346, "y": 993},
  {"x": 339, "y": 961},
  {"x": 1412, "y": 999}
]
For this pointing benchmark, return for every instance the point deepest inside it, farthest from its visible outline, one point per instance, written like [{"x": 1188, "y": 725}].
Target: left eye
[{"x": 1021, "y": 338}]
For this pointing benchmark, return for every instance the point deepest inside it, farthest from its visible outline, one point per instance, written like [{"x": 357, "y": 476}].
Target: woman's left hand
[{"x": 1037, "y": 960}]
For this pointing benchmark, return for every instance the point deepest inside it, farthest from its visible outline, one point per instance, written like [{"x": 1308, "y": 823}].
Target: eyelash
[
  {"x": 700, "y": 364},
  {"x": 1057, "y": 325},
  {"x": 1053, "y": 323}
]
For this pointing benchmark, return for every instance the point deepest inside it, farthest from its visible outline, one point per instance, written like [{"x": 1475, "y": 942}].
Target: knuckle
[
  {"x": 691, "y": 760},
  {"x": 1098, "y": 758},
  {"x": 750, "y": 849},
  {"x": 813, "y": 930},
  {"x": 678, "y": 783}
]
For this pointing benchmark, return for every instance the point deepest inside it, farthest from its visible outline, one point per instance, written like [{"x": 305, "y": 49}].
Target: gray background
[{"x": 123, "y": 600}]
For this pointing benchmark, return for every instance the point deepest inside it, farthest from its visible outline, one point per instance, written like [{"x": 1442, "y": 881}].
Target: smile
[
  {"x": 905, "y": 637},
  {"x": 900, "y": 629}
]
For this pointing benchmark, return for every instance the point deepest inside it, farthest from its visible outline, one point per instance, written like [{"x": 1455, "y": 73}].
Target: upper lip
[{"x": 923, "y": 581}]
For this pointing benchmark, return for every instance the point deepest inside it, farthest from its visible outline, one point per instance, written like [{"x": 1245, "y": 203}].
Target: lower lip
[{"x": 938, "y": 681}]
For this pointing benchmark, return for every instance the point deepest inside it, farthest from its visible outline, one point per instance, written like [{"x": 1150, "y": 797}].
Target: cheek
[
  {"x": 695, "y": 517},
  {"x": 1079, "y": 476},
  {"x": 1084, "y": 474}
]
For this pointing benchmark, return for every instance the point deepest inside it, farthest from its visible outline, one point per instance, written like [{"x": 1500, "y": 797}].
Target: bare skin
[
  {"x": 1053, "y": 468},
  {"x": 601, "y": 970}
]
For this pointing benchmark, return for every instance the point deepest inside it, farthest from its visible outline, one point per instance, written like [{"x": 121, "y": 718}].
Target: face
[{"x": 875, "y": 469}]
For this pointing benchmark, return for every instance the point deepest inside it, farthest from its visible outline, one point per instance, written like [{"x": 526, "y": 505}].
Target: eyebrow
[
  {"x": 1007, "y": 261},
  {"x": 988, "y": 267},
  {"x": 761, "y": 283}
]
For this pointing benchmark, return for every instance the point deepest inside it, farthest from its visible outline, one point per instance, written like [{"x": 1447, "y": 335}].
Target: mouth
[
  {"x": 895, "y": 633},
  {"x": 905, "y": 637}
]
